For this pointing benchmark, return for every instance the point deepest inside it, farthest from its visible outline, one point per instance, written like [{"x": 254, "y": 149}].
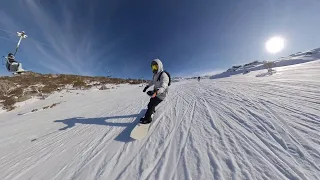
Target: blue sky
[{"x": 121, "y": 37}]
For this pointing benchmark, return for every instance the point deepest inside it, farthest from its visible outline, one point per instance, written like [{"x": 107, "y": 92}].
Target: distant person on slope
[
  {"x": 199, "y": 78},
  {"x": 161, "y": 81}
]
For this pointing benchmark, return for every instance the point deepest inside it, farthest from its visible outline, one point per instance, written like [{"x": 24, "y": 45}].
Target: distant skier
[
  {"x": 199, "y": 78},
  {"x": 161, "y": 81}
]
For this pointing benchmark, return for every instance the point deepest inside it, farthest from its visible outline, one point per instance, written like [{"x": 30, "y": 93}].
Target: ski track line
[
  {"x": 106, "y": 143},
  {"x": 56, "y": 142},
  {"x": 212, "y": 148},
  {"x": 145, "y": 141},
  {"x": 212, "y": 122},
  {"x": 288, "y": 136},
  {"x": 33, "y": 150},
  {"x": 222, "y": 134},
  {"x": 184, "y": 141},
  {"x": 305, "y": 144},
  {"x": 229, "y": 160},
  {"x": 167, "y": 142},
  {"x": 280, "y": 141},
  {"x": 102, "y": 144},
  {"x": 60, "y": 134},
  {"x": 118, "y": 155},
  {"x": 159, "y": 118},
  {"x": 240, "y": 132},
  {"x": 226, "y": 106},
  {"x": 217, "y": 129},
  {"x": 171, "y": 149}
]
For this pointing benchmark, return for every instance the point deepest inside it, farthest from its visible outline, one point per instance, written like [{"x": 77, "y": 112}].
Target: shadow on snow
[{"x": 124, "y": 136}]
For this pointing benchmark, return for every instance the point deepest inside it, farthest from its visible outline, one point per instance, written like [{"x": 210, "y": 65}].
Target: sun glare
[{"x": 275, "y": 44}]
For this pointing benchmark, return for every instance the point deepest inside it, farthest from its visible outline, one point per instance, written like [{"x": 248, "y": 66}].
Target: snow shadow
[{"x": 124, "y": 136}]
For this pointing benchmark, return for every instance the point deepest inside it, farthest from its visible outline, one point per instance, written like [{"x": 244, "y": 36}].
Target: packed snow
[{"x": 248, "y": 126}]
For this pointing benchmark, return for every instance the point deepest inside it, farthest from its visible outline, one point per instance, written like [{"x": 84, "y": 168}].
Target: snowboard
[{"x": 140, "y": 130}]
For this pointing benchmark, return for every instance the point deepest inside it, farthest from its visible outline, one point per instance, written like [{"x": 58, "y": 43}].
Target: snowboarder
[
  {"x": 199, "y": 78},
  {"x": 161, "y": 81}
]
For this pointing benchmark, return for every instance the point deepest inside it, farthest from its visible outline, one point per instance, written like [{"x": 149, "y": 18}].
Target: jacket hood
[{"x": 160, "y": 65}]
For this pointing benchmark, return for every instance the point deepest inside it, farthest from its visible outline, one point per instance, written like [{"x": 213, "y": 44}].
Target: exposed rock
[
  {"x": 23, "y": 98},
  {"x": 103, "y": 87}
]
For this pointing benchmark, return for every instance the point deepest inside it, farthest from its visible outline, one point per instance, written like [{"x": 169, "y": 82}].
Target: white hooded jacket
[{"x": 160, "y": 86}]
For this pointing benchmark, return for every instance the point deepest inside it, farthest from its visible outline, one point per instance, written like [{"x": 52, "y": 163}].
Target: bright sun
[{"x": 275, "y": 44}]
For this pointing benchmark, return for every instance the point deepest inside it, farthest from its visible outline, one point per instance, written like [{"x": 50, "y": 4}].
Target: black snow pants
[{"x": 151, "y": 107}]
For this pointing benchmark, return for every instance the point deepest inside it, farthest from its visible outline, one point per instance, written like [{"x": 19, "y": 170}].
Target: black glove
[
  {"x": 144, "y": 90},
  {"x": 150, "y": 93}
]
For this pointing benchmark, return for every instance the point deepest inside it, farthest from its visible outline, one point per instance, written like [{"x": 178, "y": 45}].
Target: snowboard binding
[{"x": 146, "y": 121}]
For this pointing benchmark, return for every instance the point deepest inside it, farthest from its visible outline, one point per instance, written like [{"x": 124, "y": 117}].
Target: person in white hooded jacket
[{"x": 160, "y": 89}]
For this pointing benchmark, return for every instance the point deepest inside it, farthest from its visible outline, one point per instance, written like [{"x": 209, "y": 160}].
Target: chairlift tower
[{"x": 22, "y": 35}]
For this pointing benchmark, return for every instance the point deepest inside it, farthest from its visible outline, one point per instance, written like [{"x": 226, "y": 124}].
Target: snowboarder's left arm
[{"x": 164, "y": 80}]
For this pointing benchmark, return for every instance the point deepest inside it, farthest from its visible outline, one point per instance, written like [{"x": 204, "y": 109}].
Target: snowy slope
[
  {"x": 250, "y": 126},
  {"x": 297, "y": 58}
]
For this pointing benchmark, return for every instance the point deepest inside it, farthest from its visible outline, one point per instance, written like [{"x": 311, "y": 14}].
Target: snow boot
[{"x": 145, "y": 120}]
